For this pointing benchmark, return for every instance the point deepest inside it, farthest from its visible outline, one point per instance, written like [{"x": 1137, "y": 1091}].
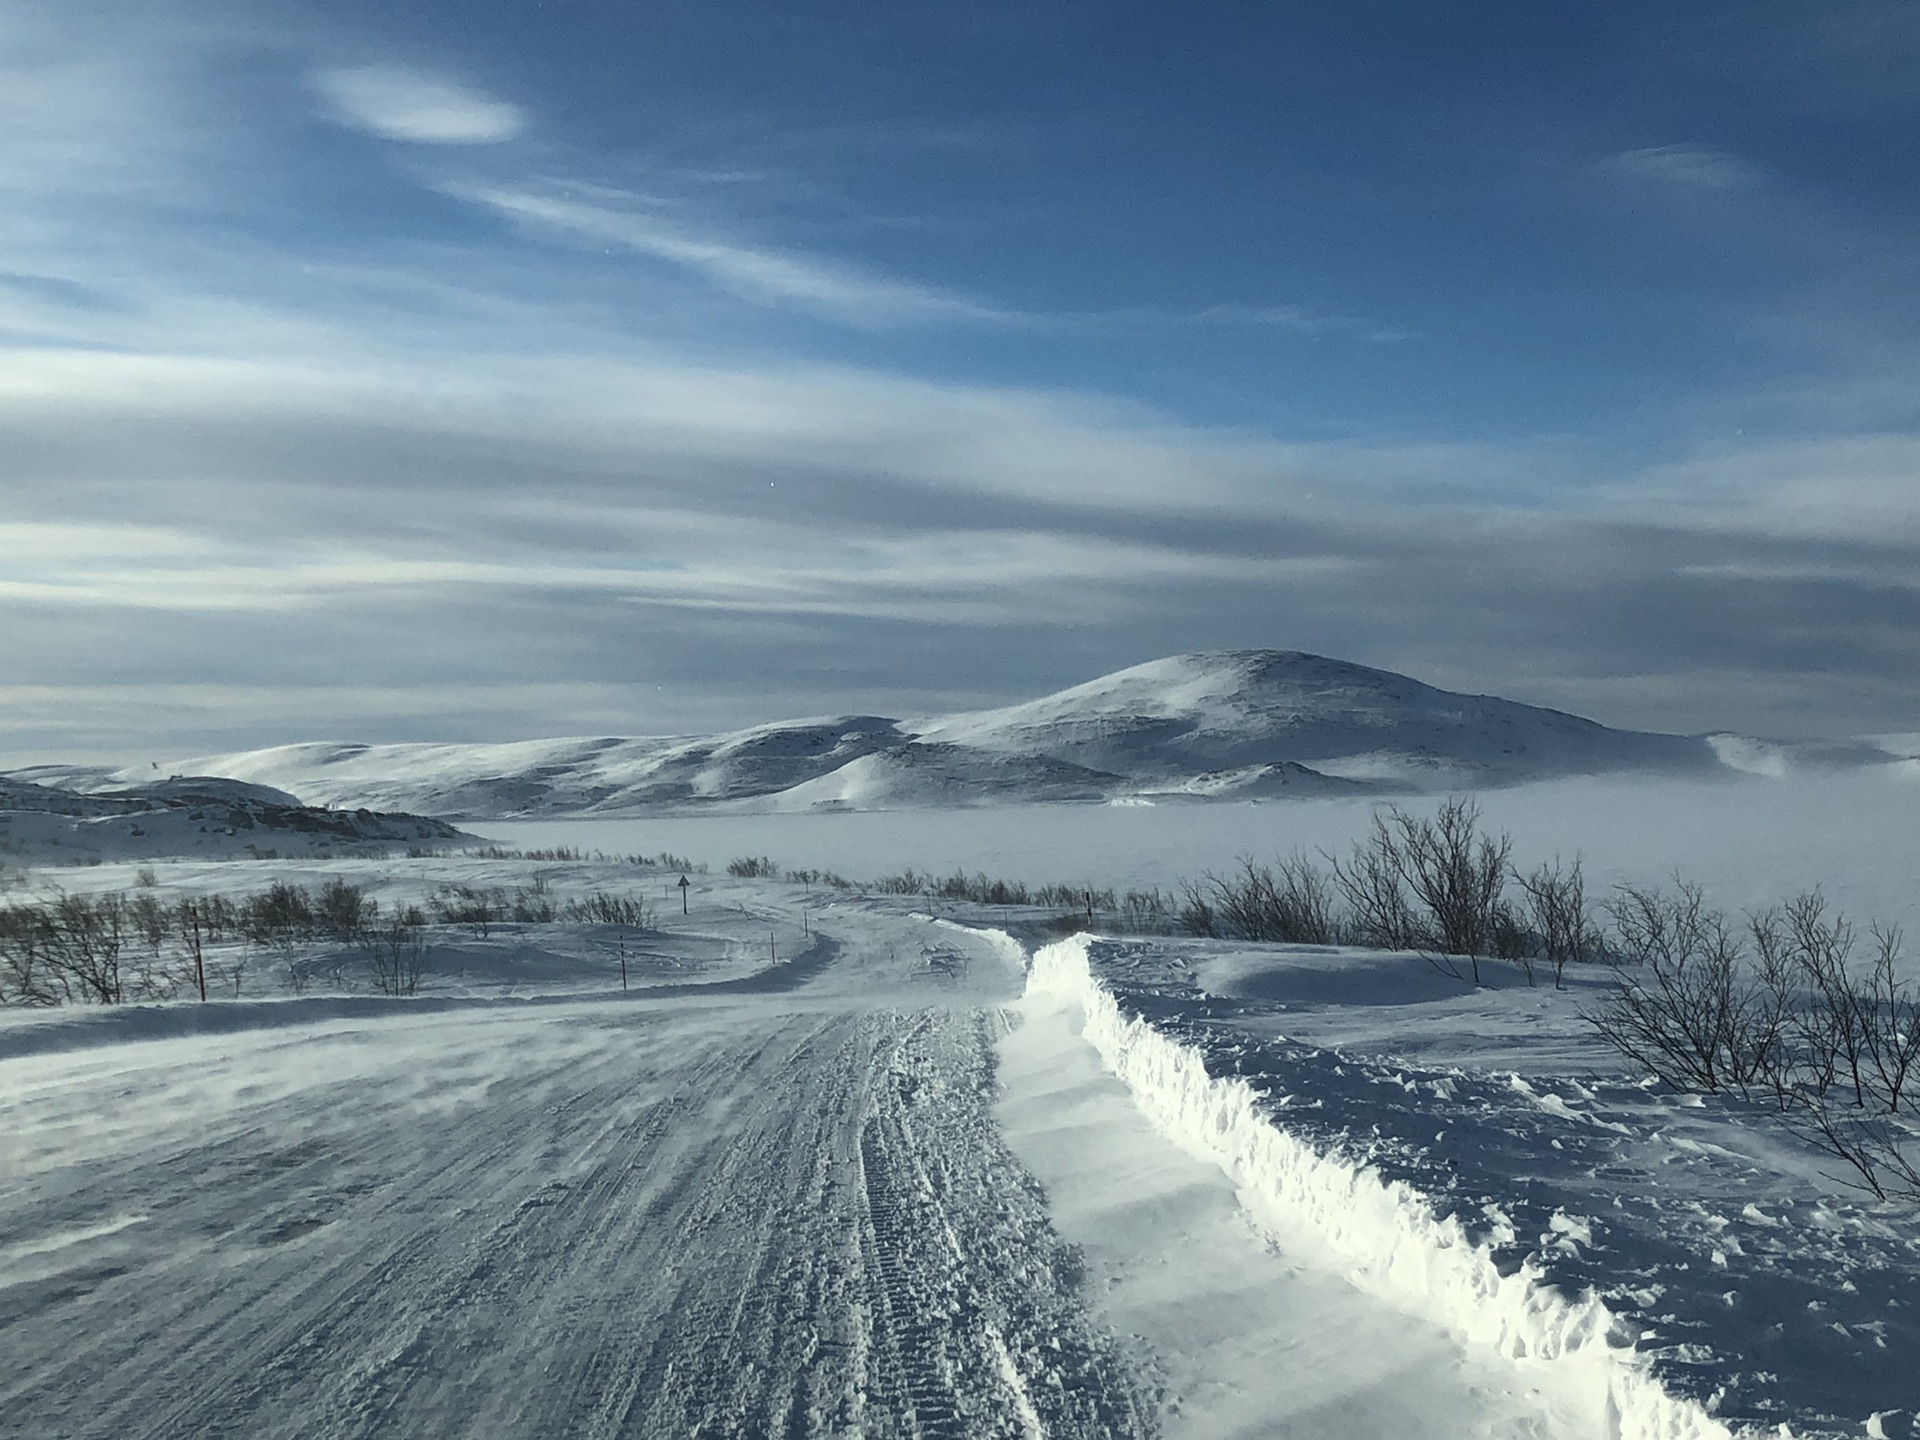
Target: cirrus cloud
[{"x": 397, "y": 103}]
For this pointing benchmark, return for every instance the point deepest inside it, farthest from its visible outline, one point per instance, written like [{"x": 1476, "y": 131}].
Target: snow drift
[{"x": 1382, "y": 1234}]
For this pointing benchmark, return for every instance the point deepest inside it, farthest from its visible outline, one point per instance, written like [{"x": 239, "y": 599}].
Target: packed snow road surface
[
  {"x": 772, "y": 1202},
  {"x": 744, "y": 1214}
]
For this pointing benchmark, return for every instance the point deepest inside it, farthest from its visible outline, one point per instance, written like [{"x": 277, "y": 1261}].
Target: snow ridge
[{"x": 1383, "y": 1234}]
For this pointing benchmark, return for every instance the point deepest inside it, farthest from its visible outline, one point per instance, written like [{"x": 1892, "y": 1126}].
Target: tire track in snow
[{"x": 764, "y": 1215}]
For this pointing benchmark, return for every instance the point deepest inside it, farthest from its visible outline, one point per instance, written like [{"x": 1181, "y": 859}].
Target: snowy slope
[
  {"x": 1193, "y": 714},
  {"x": 1245, "y": 724},
  {"x": 192, "y": 815}
]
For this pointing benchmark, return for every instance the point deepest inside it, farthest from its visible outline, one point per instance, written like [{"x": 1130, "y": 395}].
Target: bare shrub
[
  {"x": 396, "y": 956},
  {"x": 1436, "y": 884},
  {"x": 279, "y": 915},
  {"x": 603, "y": 909},
  {"x": 1292, "y": 901},
  {"x": 341, "y": 910},
  {"x": 1556, "y": 912},
  {"x": 1197, "y": 915},
  {"x": 88, "y": 945},
  {"x": 754, "y": 867},
  {"x": 27, "y": 976},
  {"x": 1372, "y": 882},
  {"x": 1690, "y": 1012},
  {"x": 1144, "y": 911},
  {"x": 149, "y": 920},
  {"x": 1777, "y": 1014},
  {"x": 468, "y": 905},
  {"x": 810, "y": 877},
  {"x": 1458, "y": 874}
]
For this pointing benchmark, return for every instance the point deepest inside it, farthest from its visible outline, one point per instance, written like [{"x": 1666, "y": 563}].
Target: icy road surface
[{"x": 777, "y": 1206}]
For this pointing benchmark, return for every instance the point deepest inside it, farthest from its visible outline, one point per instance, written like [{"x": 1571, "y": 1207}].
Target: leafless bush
[
  {"x": 1144, "y": 912},
  {"x": 1372, "y": 882},
  {"x": 1458, "y": 873},
  {"x": 603, "y": 909},
  {"x": 396, "y": 957},
  {"x": 151, "y": 920},
  {"x": 1197, "y": 915},
  {"x": 1690, "y": 1011},
  {"x": 88, "y": 940},
  {"x": 667, "y": 860},
  {"x": 754, "y": 867},
  {"x": 1432, "y": 883},
  {"x": 1292, "y": 901},
  {"x": 278, "y": 915},
  {"x": 1778, "y": 1013},
  {"x": 1562, "y": 928},
  {"x": 27, "y": 976},
  {"x": 76, "y": 948},
  {"x": 341, "y": 910},
  {"x": 533, "y": 904},
  {"x": 819, "y": 877},
  {"x": 468, "y": 905}
]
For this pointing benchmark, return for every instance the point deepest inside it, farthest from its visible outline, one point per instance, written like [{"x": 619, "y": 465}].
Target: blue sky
[{"x": 474, "y": 371}]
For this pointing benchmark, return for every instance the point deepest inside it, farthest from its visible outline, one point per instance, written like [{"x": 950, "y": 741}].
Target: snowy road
[
  {"x": 781, "y": 1205},
  {"x": 747, "y": 1214}
]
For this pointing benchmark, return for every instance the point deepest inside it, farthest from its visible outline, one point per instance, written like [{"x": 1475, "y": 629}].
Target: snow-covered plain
[
  {"x": 1751, "y": 841},
  {"x": 834, "y": 1166}
]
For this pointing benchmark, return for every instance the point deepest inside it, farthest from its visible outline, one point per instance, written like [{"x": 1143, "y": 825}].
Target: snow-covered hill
[
  {"x": 1190, "y": 715},
  {"x": 198, "y": 815},
  {"x": 1242, "y": 724}
]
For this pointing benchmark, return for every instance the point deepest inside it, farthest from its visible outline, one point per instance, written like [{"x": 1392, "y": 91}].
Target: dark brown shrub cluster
[{"x": 1774, "y": 1007}]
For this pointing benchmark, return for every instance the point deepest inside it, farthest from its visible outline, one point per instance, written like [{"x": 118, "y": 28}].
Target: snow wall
[{"x": 1382, "y": 1234}]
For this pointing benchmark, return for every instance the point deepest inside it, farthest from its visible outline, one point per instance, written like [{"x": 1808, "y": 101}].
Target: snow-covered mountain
[{"x": 1242, "y": 724}]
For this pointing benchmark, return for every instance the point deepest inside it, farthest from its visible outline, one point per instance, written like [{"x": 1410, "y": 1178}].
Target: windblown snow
[
  {"x": 813, "y": 1163},
  {"x": 811, "y": 1158}
]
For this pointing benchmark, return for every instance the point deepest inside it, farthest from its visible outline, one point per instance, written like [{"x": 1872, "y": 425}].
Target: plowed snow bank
[{"x": 1382, "y": 1234}]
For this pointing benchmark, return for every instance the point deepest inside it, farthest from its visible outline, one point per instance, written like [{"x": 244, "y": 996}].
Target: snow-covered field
[
  {"x": 829, "y": 1165},
  {"x": 1751, "y": 841}
]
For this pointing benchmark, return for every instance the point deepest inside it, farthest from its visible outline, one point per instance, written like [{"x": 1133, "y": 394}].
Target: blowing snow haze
[{"x": 463, "y": 373}]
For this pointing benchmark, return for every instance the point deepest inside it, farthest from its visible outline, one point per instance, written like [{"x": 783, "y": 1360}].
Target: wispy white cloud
[
  {"x": 398, "y": 103},
  {"x": 479, "y": 501},
  {"x": 1688, "y": 166},
  {"x": 667, "y": 512},
  {"x": 1300, "y": 320},
  {"x": 840, "y": 291}
]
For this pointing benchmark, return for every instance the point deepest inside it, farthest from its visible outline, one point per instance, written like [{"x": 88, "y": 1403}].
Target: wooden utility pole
[{"x": 623, "y": 965}]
